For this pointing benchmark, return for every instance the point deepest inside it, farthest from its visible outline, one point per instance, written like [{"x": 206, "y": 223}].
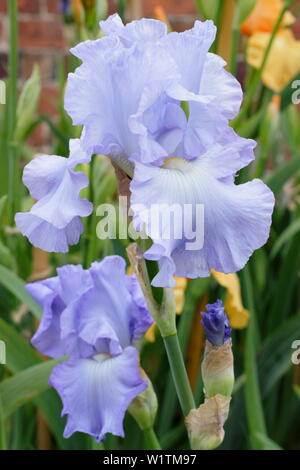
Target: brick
[
  {"x": 174, "y": 7},
  {"x": 37, "y": 137},
  {"x": 41, "y": 34},
  {"x": 47, "y": 62},
  {"x": 296, "y": 30},
  {"x": 24, "y": 6},
  {"x": 53, "y": 6},
  {"x": 181, "y": 24},
  {"x": 3, "y": 64},
  {"x": 49, "y": 100}
]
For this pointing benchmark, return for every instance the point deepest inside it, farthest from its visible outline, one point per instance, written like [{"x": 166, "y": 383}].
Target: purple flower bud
[
  {"x": 64, "y": 6},
  {"x": 216, "y": 324}
]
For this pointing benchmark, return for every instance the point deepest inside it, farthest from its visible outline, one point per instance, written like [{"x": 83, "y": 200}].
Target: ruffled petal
[
  {"x": 97, "y": 392},
  {"x": 113, "y": 85},
  {"x": 47, "y": 338},
  {"x": 189, "y": 51},
  {"x": 54, "y": 295},
  {"x": 107, "y": 317},
  {"x": 222, "y": 84},
  {"x": 140, "y": 31},
  {"x": 236, "y": 219},
  {"x": 142, "y": 317},
  {"x": 53, "y": 222},
  {"x": 208, "y": 122}
]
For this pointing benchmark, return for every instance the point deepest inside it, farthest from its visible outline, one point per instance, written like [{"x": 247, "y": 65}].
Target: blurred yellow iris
[
  {"x": 179, "y": 292},
  {"x": 237, "y": 314},
  {"x": 264, "y": 16},
  {"x": 284, "y": 59}
]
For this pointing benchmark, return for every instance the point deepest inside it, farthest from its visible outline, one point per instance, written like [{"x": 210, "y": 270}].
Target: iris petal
[
  {"x": 237, "y": 218},
  {"x": 113, "y": 88},
  {"x": 97, "y": 392},
  {"x": 53, "y": 222},
  {"x": 86, "y": 312}
]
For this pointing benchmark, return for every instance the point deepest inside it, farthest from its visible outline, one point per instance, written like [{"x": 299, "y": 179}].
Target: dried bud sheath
[
  {"x": 217, "y": 370},
  {"x": 205, "y": 425}
]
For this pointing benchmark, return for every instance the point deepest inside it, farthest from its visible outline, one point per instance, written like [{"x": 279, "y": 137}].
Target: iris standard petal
[
  {"x": 113, "y": 85},
  {"x": 140, "y": 31},
  {"x": 189, "y": 51},
  {"x": 232, "y": 222},
  {"x": 54, "y": 295},
  {"x": 108, "y": 316},
  {"x": 97, "y": 392},
  {"x": 53, "y": 222}
]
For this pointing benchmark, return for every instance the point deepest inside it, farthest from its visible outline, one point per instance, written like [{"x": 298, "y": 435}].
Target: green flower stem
[
  {"x": 180, "y": 377},
  {"x": 151, "y": 441},
  {"x": 12, "y": 107},
  {"x": 254, "y": 408},
  {"x": 257, "y": 75},
  {"x": 165, "y": 316},
  {"x": 2, "y": 429}
]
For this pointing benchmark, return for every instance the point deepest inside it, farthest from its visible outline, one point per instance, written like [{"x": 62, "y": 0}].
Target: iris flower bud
[
  {"x": 217, "y": 365},
  {"x": 144, "y": 407}
]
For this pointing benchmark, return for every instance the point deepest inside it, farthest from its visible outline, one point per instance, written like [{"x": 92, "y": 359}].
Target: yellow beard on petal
[{"x": 174, "y": 163}]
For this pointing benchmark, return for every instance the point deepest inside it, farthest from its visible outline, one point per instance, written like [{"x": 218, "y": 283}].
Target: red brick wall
[{"x": 42, "y": 41}]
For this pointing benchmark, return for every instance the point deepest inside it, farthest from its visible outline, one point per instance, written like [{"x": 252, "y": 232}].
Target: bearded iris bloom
[
  {"x": 54, "y": 223},
  {"x": 128, "y": 95},
  {"x": 128, "y": 92},
  {"x": 95, "y": 317}
]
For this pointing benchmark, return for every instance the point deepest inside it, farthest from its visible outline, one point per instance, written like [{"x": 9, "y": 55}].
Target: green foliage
[{"x": 266, "y": 399}]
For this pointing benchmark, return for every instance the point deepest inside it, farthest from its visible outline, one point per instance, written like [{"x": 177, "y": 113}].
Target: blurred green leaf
[
  {"x": 6, "y": 257},
  {"x": 101, "y": 10},
  {"x": 244, "y": 9},
  {"x": 19, "y": 354},
  {"x": 275, "y": 356},
  {"x": 2, "y": 426},
  {"x": 3, "y": 201},
  {"x": 285, "y": 236},
  {"x": 208, "y": 9},
  {"x": 286, "y": 285},
  {"x": 16, "y": 286},
  {"x": 281, "y": 175},
  {"x": 290, "y": 123},
  {"x": 27, "y": 105},
  {"x": 266, "y": 443},
  {"x": 25, "y": 386}
]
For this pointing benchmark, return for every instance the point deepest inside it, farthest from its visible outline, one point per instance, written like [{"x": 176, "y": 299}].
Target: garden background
[{"x": 262, "y": 301}]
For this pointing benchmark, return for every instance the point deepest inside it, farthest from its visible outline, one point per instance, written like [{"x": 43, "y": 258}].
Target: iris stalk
[
  {"x": 12, "y": 107},
  {"x": 225, "y": 34},
  {"x": 180, "y": 377},
  {"x": 151, "y": 441},
  {"x": 164, "y": 313}
]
